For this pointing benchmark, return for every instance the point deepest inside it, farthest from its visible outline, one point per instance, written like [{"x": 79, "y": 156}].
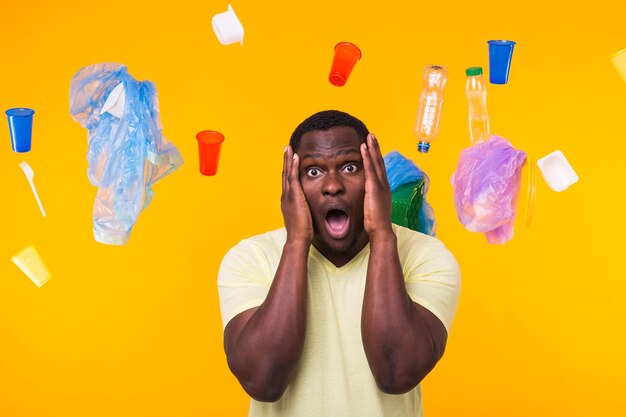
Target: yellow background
[{"x": 135, "y": 330}]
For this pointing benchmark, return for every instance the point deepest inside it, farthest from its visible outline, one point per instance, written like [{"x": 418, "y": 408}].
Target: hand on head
[
  {"x": 296, "y": 212},
  {"x": 377, "y": 204}
]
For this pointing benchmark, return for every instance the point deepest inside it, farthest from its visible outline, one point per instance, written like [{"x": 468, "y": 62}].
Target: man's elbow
[
  {"x": 265, "y": 394},
  {"x": 397, "y": 386},
  {"x": 260, "y": 384},
  {"x": 401, "y": 382}
]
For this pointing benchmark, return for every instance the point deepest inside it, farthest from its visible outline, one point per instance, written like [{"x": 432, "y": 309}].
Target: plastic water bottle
[
  {"x": 476, "y": 93},
  {"x": 429, "y": 112}
]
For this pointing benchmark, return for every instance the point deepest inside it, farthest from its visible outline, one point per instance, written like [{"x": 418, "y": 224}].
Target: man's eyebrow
[{"x": 319, "y": 155}]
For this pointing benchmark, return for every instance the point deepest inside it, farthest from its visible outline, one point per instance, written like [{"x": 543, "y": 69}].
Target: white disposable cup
[{"x": 29, "y": 261}]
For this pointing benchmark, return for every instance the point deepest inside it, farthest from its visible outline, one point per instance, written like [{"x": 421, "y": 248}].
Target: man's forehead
[
  {"x": 334, "y": 153},
  {"x": 337, "y": 141}
]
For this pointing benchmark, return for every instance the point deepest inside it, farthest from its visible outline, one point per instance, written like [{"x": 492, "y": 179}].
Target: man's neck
[{"x": 340, "y": 259}]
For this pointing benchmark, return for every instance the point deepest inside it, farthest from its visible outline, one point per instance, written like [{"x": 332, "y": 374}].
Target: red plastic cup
[
  {"x": 346, "y": 56},
  {"x": 209, "y": 147}
]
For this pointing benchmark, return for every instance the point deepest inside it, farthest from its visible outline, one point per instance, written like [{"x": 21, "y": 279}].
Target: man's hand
[
  {"x": 377, "y": 206},
  {"x": 293, "y": 203}
]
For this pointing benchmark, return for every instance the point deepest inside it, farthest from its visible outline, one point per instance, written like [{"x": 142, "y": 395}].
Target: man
[{"x": 339, "y": 313}]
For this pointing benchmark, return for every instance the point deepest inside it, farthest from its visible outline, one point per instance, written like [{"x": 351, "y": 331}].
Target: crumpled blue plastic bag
[
  {"x": 486, "y": 186},
  {"x": 400, "y": 171},
  {"x": 126, "y": 155}
]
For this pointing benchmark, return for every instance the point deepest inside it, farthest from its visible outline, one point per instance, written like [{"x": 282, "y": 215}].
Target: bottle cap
[{"x": 471, "y": 71}]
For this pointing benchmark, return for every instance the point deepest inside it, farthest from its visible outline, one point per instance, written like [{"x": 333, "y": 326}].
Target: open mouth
[{"x": 337, "y": 223}]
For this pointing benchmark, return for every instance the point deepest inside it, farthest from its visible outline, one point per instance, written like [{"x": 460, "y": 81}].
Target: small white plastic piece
[
  {"x": 556, "y": 171},
  {"x": 115, "y": 102},
  {"x": 227, "y": 27}
]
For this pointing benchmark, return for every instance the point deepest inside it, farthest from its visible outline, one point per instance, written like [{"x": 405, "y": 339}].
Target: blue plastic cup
[
  {"x": 21, "y": 127},
  {"x": 500, "y": 55}
]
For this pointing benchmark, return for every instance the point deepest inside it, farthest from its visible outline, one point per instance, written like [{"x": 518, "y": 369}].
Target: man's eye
[
  {"x": 350, "y": 168},
  {"x": 313, "y": 172}
]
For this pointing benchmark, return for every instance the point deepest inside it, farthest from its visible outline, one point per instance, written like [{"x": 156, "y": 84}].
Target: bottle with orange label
[{"x": 429, "y": 112}]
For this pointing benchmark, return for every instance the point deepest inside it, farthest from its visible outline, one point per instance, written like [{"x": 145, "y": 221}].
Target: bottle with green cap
[{"x": 476, "y": 93}]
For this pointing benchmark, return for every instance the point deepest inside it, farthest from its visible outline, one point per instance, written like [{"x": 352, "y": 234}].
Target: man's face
[{"x": 333, "y": 181}]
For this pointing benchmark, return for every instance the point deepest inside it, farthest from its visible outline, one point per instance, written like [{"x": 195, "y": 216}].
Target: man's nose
[{"x": 333, "y": 184}]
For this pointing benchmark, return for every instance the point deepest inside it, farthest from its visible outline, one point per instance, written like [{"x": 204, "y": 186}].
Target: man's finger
[
  {"x": 377, "y": 159},
  {"x": 367, "y": 163},
  {"x": 285, "y": 166},
  {"x": 294, "y": 180}
]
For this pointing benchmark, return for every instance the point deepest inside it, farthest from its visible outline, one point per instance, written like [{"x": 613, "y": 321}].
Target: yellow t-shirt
[{"x": 333, "y": 377}]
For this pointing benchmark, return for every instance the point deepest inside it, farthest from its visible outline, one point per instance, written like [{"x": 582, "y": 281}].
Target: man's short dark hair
[{"x": 325, "y": 120}]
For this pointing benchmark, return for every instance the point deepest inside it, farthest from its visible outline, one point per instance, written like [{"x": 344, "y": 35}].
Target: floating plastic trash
[
  {"x": 29, "y": 261},
  {"x": 209, "y": 147},
  {"x": 556, "y": 171},
  {"x": 227, "y": 27},
  {"x": 30, "y": 175},
  {"x": 486, "y": 188},
  {"x": 115, "y": 102},
  {"x": 127, "y": 152},
  {"x": 409, "y": 186},
  {"x": 430, "y": 106},
  {"x": 20, "y": 128},
  {"x": 500, "y": 56},
  {"x": 345, "y": 58}
]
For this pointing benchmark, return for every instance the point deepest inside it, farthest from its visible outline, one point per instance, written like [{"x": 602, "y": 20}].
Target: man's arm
[
  {"x": 402, "y": 340},
  {"x": 263, "y": 344}
]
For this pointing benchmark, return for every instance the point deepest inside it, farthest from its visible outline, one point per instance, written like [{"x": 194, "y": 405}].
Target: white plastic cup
[
  {"x": 29, "y": 261},
  {"x": 227, "y": 27},
  {"x": 557, "y": 172}
]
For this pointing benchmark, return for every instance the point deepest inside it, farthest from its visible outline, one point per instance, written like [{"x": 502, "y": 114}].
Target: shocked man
[{"x": 341, "y": 312}]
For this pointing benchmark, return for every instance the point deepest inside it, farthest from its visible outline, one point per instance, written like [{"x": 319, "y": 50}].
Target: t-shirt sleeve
[
  {"x": 433, "y": 280},
  {"x": 243, "y": 280}
]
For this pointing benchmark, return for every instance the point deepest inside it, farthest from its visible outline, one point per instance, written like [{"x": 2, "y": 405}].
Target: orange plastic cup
[
  {"x": 346, "y": 56},
  {"x": 209, "y": 147}
]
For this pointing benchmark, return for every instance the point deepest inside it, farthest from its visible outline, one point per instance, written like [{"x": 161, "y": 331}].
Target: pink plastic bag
[{"x": 486, "y": 186}]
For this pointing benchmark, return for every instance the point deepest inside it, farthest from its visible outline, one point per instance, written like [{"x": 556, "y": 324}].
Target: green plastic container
[{"x": 406, "y": 202}]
